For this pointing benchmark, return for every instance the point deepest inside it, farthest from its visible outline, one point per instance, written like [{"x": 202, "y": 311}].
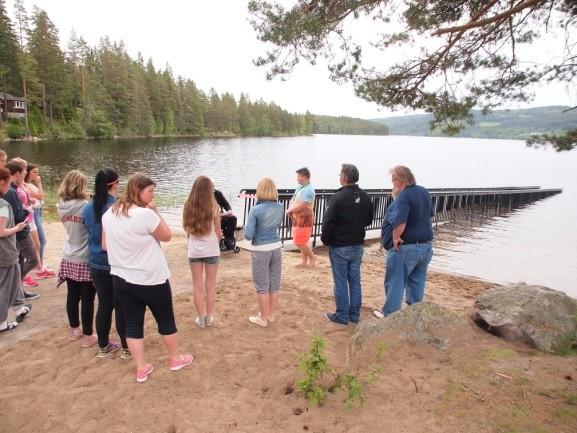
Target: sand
[{"x": 243, "y": 377}]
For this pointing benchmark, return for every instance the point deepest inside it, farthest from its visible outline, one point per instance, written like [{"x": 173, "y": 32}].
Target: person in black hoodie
[
  {"x": 227, "y": 222},
  {"x": 347, "y": 214},
  {"x": 27, "y": 254}
]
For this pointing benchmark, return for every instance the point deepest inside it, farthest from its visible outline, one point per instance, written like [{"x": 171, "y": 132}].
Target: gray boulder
[
  {"x": 423, "y": 323},
  {"x": 537, "y": 316}
]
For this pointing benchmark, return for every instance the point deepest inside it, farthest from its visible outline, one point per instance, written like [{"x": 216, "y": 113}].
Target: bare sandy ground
[{"x": 243, "y": 377}]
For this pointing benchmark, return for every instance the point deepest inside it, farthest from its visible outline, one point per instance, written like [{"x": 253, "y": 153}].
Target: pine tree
[
  {"x": 51, "y": 68},
  {"x": 9, "y": 68}
]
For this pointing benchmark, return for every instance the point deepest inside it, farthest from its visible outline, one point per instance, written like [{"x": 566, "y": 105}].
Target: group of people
[
  {"x": 112, "y": 251},
  {"x": 22, "y": 238}
]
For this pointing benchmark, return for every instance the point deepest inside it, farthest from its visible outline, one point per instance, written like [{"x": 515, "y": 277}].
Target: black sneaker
[{"x": 29, "y": 296}]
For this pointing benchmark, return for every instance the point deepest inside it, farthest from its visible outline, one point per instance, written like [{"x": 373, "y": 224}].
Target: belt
[{"x": 417, "y": 243}]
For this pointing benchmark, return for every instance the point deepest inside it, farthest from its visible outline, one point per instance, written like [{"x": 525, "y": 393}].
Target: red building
[{"x": 16, "y": 106}]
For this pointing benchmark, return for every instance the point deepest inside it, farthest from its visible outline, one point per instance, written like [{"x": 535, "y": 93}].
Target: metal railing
[{"x": 447, "y": 202}]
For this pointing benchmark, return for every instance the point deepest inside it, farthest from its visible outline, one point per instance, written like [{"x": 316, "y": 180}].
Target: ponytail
[{"x": 102, "y": 182}]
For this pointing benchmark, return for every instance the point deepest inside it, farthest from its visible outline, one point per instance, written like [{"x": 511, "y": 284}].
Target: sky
[{"x": 213, "y": 43}]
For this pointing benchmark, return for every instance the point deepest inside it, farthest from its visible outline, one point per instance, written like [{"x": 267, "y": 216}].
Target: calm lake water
[{"x": 536, "y": 244}]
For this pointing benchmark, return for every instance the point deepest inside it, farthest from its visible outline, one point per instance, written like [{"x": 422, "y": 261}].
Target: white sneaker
[
  {"x": 208, "y": 321},
  {"x": 200, "y": 321},
  {"x": 378, "y": 314}
]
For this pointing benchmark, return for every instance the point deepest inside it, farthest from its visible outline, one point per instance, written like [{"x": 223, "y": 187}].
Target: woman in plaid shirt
[{"x": 74, "y": 268}]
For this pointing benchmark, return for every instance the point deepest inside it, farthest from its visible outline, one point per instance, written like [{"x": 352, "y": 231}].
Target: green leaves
[{"x": 468, "y": 56}]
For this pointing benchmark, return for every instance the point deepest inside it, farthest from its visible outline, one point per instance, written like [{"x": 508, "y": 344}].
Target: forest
[
  {"x": 102, "y": 92},
  {"x": 518, "y": 124}
]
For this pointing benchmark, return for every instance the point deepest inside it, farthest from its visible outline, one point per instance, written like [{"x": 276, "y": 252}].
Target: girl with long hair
[
  {"x": 34, "y": 184},
  {"x": 132, "y": 232},
  {"x": 74, "y": 268},
  {"x": 106, "y": 185},
  {"x": 201, "y": 221}
]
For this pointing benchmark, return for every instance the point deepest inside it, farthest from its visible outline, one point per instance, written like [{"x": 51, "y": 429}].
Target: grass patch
[
  {"x": 453, "y": 391},
  {"x": 565, "y": 413},
  {"x": 499, "y": 354},
  {"x": 517, "y": 419},
  {"x": 571, "y": 399}
]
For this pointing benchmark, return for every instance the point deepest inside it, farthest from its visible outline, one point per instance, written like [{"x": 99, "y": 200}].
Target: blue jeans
[
  {"x": 41, "y": 235},
  {"x": 346, "y": 267},
  {"x": 406, "y": 270}
]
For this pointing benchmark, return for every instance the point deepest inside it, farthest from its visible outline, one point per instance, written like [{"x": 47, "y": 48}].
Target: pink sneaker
[
  {"x": 45, "y": 273},
  {"x": 28, "y": 281},
  {"x": 142, "y": 375},
  {"x": 181, "y": 362}
]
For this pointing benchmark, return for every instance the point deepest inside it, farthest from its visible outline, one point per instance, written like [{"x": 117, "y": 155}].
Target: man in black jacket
[
  {"x": 227, "y": 222},
  {"x": 347, "y": 214}
]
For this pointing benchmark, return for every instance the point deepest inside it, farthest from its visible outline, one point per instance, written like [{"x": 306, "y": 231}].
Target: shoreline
[{"x": 222, "y": 134}]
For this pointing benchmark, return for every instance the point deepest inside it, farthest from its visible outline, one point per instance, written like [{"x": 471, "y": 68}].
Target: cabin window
[{"x": 20, "y": 105}]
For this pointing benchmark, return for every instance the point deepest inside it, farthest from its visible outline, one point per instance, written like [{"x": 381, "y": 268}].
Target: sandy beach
[{"x": 244, "y": 378}]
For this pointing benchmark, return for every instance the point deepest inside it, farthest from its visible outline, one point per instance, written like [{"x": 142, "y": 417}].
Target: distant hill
[
  {"x": 511, "y": 124},
  {"x": 347, "y": 126}
]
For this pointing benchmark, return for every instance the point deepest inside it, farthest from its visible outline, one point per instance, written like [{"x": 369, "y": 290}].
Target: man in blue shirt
[{"x": 407, "y": 235}]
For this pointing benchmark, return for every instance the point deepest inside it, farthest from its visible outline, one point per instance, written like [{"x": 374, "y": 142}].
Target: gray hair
[
  {"x": 350, "y": 172},
  {"x": 403, "y": 174}
]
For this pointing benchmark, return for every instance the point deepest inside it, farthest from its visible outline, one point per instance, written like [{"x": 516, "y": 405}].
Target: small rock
[{"x": 297, "y": 411}]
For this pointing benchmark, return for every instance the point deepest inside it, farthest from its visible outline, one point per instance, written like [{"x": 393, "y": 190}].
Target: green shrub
[
  {"x": 100, "y": 127},
  {"x": 314, "y": 364},
  {"x": 15, "y": 130}
]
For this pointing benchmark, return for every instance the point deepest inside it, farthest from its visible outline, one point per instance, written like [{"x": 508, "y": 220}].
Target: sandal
[
  {"x": 9, "y": 326},
  {"x": 257, "y": 320},
  {"x": 23, "y": 312}
]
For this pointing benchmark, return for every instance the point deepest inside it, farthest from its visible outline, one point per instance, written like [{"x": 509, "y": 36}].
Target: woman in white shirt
[{"x": 132, "y": 232}]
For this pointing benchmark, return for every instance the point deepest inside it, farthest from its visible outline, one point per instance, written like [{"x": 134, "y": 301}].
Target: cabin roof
[{"x": 10, "y": 97}]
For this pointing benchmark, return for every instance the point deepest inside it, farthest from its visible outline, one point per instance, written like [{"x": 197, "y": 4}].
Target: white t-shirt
[{"x": 133, "y": 253}]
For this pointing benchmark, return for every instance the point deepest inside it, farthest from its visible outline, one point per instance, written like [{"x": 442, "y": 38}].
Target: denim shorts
[{"x": 208, "y": 260}]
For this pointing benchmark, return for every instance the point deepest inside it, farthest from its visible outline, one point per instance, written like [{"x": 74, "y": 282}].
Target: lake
[{"x": 535, "y": 244}]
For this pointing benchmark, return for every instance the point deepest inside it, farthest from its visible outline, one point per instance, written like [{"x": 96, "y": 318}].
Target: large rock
[
  {"x": 423, "y": 323},
  {"x": 538, "y": 316}
]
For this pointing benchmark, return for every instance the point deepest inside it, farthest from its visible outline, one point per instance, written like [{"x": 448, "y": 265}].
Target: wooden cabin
[{"x": 16, "y": 106}]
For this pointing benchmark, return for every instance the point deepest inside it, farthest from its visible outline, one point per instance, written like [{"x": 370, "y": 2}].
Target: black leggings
[
  {"x": 80, "y": 292},
  {"x": 107, "y": 301},
  {"x": 134, "y": 299}
]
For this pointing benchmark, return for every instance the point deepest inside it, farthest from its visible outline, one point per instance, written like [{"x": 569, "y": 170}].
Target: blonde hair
[
  {"x": 403, "y": 174},
  {"x": 200, "y": 207},
  {"x": 73, "y": 186},
  {"x": 20, "y": 162},
  {"x": 266, "y": 190},
  {"x": 135, "y": 185}
]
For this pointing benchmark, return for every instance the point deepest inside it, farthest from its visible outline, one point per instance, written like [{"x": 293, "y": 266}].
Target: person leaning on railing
[{"x": 407, "y": 235}]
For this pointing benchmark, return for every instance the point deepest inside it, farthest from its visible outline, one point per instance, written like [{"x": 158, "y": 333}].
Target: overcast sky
[{"x": 212, "y": 43}]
